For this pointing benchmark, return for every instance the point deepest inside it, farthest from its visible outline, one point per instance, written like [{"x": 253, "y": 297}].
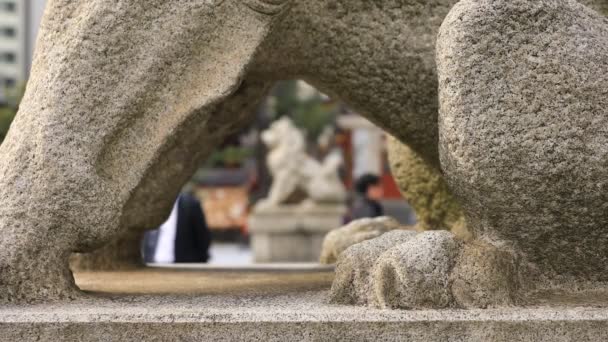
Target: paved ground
[
  {"x": 192, "y": 281},
  {"x": 230, "y": 254}
]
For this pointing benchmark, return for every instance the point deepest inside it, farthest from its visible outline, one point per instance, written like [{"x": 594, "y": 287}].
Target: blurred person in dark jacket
[
  {"x": 368, "y": 192},
  {"x": 183, "y": 238}
]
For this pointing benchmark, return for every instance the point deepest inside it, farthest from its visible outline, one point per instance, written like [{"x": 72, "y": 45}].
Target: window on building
[
  {"x": 8, "y": 57},
  {"x": 9, "y": 82},
  {"x": 8, "y": 6},
  {"x": 7, "y": 31}
]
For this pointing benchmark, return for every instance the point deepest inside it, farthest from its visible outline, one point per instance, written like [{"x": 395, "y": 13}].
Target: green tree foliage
[
  {"x": 310, "y": 113},
  {"x": 6, "y": 117},
  {"x": 8, "y": 111},
  {"x": 230, "y": 156}
]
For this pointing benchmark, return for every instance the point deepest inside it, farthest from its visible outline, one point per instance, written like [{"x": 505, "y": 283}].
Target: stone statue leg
[
  {"x": 122, "y": 253},
  {"x": 376, "y": 272},
  {"x": 47, "y": 276},
  {"x": 525, "y": 151},
  {"x": 428, "y": 270},
  {"x": 425, "y": 189},
  {"x": 106, "y": 136},
  {"x": 55, "y": 280},
  {"x": 521, "y": 142}
]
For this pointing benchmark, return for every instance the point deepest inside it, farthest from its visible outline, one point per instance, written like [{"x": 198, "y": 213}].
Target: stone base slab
[
  {"x": 300, "y": 317},
  {"x": 294, "y": 309}
]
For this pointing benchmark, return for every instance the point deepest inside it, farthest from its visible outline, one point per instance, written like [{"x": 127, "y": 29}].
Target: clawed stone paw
[
  {"x": 338, "y": 240},
  {"x": 352, "y": 281},
  {"x": 400, "y": 269},
  {"x": 416, "y": 274}
]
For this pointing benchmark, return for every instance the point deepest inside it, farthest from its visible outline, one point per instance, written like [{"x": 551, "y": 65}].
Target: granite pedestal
[
  {"x": 214, "y": 305},
  {"x": 292, "y": 233}
]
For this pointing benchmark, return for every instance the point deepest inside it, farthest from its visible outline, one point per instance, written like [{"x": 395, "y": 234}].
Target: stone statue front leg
[
  {"x": 426, "y": 190},
  {"x": 113, "y": 123},
  {"x": 122, "y": 253},
  {"x": 522, "y": 142},
  {"x": 148, "y": 207},
  {"x": 34, "y": 265},
  {"x": 522, "y": 137},
  {"x": 429, "y": 270}
]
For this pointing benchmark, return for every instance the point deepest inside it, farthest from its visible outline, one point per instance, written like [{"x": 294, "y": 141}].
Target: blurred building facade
[{"x": 19, "y": 23}]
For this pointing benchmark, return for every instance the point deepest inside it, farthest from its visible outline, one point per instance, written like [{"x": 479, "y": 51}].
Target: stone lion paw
[
  {"x": 416, "y": 274},
  {"x": 352, "y": 281},
  {"x": 338, "y": 240},
  {"x": 400, "y": 269}
]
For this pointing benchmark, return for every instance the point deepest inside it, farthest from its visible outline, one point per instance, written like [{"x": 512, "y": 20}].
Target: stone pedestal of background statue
[
  {"x": 292, "y": 233},
  {"x": 306, "y": 199}
]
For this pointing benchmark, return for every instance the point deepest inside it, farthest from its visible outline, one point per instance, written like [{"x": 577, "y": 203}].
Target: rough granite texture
[
  {"x": 599, "y": 5},
  {"x": 123, "y": 104},
  {"x": 123, "y": 253},
  {"x": 486, "y": 276},
  {"x": 353, "y": 282},
  {"x": 400, "y": 269},
  {"x": 416, "y": 274},
  {"x": 121, "y": 100},
  {"x": 121, "y": 107},
  {"x": 338, "y": 240},
  {"x": 424, "y": 188},
  {"x": 524, "y": 110},
  {"x": 273, "y": 307},
  {"x": 298, "y": 316},
  {"x": 501, "y": 267}
]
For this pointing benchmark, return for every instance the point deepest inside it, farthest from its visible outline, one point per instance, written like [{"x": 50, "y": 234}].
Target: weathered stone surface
[
  {"x": 353, "y": 282},
  {"x": 599, "y": 5},
  {"x": 424, "y": 187},
  {"x": 417, "y": 110},
  {"x": 339, "y": 239},
  {"x": 524, "y": 106},
  {"x": 258, "y": 306},
  {"x": 123, "y": 104},
  {"x": 400, "y": 269},
  {"x": 123, "y": 253},
  {"x": 434, "y": 269},
  {"x": 156, "y": 92},
  {"x": 486, "y": 276},
  {"x": 416, "y": 274},
  {"x": 346, "y": 48},
  {"x": 267, "y": 312},
  {"x": 121, "y": 108}
]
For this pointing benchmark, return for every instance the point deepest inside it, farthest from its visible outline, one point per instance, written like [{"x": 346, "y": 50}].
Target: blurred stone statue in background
[
  {"x": 306, "y": 200},
  {"x": 293, "y": 170}
]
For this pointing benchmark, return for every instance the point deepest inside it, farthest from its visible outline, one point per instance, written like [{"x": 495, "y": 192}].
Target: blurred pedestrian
[
  {"x": 368, "y": 193},
  {"x": 183, "y": 238}
]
